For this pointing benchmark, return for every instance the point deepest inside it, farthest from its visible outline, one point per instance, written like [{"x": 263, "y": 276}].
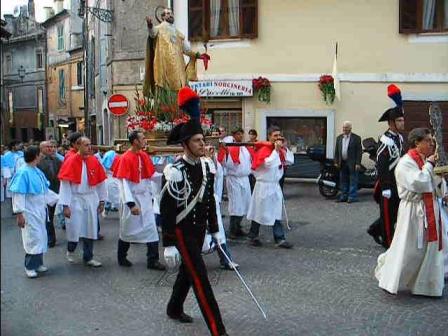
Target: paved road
[{"x": 324, "y": 286}]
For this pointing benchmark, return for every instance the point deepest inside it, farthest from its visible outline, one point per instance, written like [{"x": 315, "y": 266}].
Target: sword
[{"x": 242, "y": 280}]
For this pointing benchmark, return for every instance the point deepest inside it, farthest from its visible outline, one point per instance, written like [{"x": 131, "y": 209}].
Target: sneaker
[
  {"x": 284, "y": 244},
  {"x": 42, "y": 269},
  {"x": 31, "y": 273},
  {"x": 71, "y": 257},
  {"x": 93, "y": 263}
]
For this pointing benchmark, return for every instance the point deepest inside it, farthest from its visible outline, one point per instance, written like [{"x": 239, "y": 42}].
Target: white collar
[{"x": 190, "y": 160}]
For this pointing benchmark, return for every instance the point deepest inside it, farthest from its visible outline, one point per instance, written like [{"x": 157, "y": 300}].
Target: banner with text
[{"x": 223, "y": 88}]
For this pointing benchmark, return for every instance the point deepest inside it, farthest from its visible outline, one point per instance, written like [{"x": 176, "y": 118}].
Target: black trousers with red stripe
[
  {"x": 193, "y": 272},
  {"x": 388, "y": 213}
]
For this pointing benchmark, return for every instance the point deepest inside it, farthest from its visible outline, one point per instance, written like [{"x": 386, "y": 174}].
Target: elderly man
[
  {"x": 348, "y": 154},
  {"x": 82, "y": 195},
  {"x": 165, "y": 64},
  {"x": 50, "y": 166}
]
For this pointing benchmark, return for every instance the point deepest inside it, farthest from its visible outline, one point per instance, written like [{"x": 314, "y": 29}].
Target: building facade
[
  {"x": 65, "y": 70},
  {"x": 24, "y": 103}
]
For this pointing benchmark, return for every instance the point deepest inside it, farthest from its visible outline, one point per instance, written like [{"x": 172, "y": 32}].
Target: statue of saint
[{"x": 164, "y": 64}]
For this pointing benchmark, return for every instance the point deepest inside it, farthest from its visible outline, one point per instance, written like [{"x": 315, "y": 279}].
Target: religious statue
[{"x": 164, "y": 64}]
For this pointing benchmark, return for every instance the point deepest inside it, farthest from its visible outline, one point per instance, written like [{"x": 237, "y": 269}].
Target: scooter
[{"x": 328, "y": 179}]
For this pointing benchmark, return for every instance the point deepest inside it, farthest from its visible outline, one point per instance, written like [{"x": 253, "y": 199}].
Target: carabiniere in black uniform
[{"x": 187, "y": 210}]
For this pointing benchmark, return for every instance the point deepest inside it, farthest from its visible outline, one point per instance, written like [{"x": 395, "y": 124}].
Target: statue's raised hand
[{"x": 149, "y": 21}]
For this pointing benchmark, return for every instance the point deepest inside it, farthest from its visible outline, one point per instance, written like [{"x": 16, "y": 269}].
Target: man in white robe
[
  {"x": 30, "y": 197},
  {"x": 237, "y": 163},
  {"x": 137, "y": 221},
  {"x": 414, "y": 260},
  {"x": 266, "y": 204},
  {"x": 108, "y": 161},
  {"x": 82, "y": 195}
]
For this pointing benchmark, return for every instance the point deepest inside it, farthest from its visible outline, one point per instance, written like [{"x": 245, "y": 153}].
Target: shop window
[
  {"x": 301, "y": 132},
  {"x": 222, "y": 19},
  {"x": 423, "y": 16},
  {"x": 227, "y": 118}
]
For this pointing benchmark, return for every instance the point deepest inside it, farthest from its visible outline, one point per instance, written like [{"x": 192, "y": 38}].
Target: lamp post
[{"x": 103, "y": 15}]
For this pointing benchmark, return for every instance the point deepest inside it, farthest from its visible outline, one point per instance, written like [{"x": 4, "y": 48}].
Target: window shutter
[
  {"x": 410, "y": 16},
  {"x": 249, "y": 18},
  {"x": 196, "y": 14}
]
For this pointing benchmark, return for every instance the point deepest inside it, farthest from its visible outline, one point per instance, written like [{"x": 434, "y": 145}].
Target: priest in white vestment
[
  {"x": 414, "y": 260},
  {"x": 30, "y": 197},
  {"x": 82, "y": 194},
  {"x": 266, "y": 204}
]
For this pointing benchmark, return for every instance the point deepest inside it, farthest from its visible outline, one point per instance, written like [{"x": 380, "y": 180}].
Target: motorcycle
[{"x": 328, "y": 179}]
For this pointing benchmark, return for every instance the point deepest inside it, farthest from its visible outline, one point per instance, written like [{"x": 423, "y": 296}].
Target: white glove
[
  {"x": 172, "y": 256},
  {"x": 387, "y": 193},
  {"x": 218, "y": 238}
]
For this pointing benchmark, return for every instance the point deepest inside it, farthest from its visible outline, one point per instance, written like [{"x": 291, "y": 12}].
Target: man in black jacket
[
  {"x": 348, "y": 154},
  {"x": 50, "y": 166},
  {"x": 187, "y": 210}
]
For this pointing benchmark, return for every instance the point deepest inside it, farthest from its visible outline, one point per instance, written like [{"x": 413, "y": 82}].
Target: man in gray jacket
[
  {"x": 348, "y": 154},
  {"x": 50, "y": 166}
]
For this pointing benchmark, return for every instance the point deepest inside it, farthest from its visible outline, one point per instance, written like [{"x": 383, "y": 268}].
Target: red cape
[
  {"x": 127, "y": 166},
  {"x": 69, "y": 153},
  {"x": 71, "y": 170},
  {"x": 263, "y": 151},
  {"x": 115, "y": 162},
  {"x": 234, "y": 152}
]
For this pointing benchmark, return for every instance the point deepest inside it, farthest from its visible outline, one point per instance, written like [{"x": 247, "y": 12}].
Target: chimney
[
  {"x": 58, "y": 6},
  {"x": 31, "y": 11},
  {"x": 48, "y": 13}
]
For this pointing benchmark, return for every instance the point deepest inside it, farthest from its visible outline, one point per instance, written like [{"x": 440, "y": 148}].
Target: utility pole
[{"x": 103, "y": 15}]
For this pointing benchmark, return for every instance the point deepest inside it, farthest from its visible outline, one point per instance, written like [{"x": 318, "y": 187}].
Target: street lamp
[{"x": 21, "y": 72}]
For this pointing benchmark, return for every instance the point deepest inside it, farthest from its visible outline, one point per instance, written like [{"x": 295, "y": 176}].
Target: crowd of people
[{"x": 182, "y": 200}]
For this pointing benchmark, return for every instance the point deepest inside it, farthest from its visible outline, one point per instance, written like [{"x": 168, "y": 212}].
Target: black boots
[{"x": 122, "y": 253}]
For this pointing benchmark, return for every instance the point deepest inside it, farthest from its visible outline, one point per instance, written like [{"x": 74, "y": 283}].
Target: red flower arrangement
[
  {"x": 159, "y": 114},
  {"x": 262, "y": 88},
  {"x": 326, "y": 86}
]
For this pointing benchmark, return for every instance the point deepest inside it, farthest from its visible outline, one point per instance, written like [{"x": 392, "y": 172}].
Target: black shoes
[
  {"x": 256, "y": 242},
  {"x": 124, "y": 262},
  {"x": 182, "y": 318},
  {"x": 156, "y": 265},
  {"x": 238, "y": 234}
]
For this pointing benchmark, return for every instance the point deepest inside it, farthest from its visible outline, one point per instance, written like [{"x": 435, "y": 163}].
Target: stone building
[
  {"x": 65, "y": 74},
  {"x": 24, "y": 103}
]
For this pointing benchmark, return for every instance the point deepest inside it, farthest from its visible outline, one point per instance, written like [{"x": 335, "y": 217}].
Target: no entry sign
[{"x": 118, "y": 104}]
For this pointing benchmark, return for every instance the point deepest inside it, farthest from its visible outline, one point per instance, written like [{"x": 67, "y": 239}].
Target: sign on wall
[
  {"x": 223, "y": 88},
  {"x": 118, "y": 104}
]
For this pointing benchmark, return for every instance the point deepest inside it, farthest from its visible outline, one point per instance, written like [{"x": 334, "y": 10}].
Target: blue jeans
[
  {"x": 87, "y": 248},
  {"x": 277, "y": 230},
  {"x": 33, "y": 261},
  {"x": 222, "y": 259},
  {"x": 349, "y": 183}
]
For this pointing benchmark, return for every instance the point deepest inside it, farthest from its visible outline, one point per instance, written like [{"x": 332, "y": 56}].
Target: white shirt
[{"x": 345, "y": 143}]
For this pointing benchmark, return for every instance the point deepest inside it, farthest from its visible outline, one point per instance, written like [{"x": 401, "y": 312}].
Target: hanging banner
[{"x": 223, "y": 88}]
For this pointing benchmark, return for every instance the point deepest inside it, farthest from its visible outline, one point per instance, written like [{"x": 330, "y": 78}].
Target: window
[
  {"x": 423, "y": 16},
  {"x": 222, "y": 19},
  {"x": 61, "y": 45},
  {"x": 39, "y": 59},
  {"x": 79, "y": 74},
  {"x": 61, "y": 86},
  {"x": 227, "y": 118},
  {"x": 8, "y": 60}
]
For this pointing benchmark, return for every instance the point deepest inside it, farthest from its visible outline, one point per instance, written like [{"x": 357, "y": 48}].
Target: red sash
[
  {"x": 428, "y": 201},
  {"x": 128, "y": 166},
  {"x": 71, "y": 170}
]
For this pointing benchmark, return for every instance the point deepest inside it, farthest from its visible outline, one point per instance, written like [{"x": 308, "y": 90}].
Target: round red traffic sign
[{"x": 118, "y": 104}]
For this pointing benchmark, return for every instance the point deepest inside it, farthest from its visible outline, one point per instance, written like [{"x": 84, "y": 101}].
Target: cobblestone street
[{"x": 324, "y": 286}]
